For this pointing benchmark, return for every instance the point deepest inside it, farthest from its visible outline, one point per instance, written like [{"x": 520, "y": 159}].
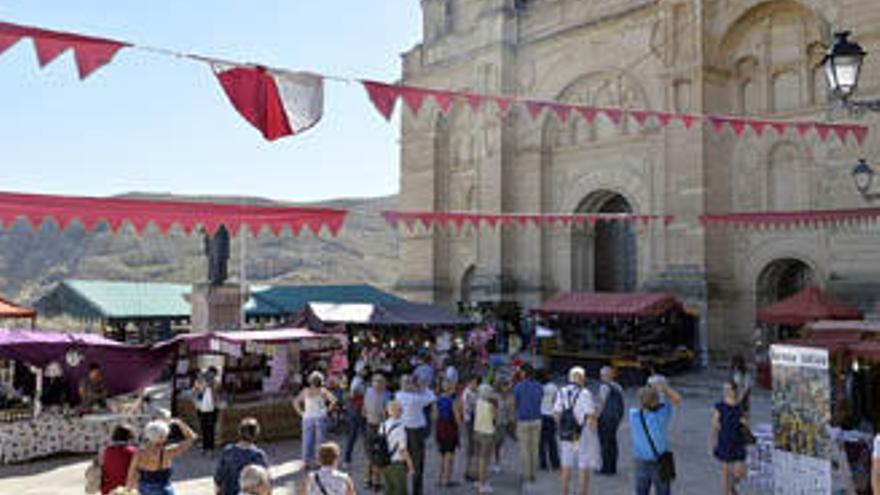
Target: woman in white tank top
[{"x": 312, "y": 405}]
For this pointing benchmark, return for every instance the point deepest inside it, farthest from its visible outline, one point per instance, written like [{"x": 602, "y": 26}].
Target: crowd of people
[{"x": 571, "y": 428}]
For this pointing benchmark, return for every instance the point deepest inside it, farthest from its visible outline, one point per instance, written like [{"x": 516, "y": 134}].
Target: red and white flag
[{"x": 278, "y": 103}]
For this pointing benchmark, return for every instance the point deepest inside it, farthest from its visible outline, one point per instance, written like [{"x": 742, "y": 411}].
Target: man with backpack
[
  {"x": 611, "y": 409},
  {"x": 575, "y": 413},
  {"x": 388, "y": 452}
]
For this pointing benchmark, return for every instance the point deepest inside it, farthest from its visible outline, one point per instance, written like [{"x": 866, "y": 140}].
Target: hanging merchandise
[
  {"x": 461, "y": 220},
  {"x": 278, "y": 103},
  {"x": 115, "y": 212},
  {"x": 88, "y": 52}
]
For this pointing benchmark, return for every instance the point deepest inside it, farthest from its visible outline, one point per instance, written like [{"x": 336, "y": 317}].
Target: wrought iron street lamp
[
  {"x": 843, "y": 66},
  {"x": 863, "y": 177}
]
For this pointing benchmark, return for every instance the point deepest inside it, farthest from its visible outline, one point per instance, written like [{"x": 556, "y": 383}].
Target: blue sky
[{"x": 151, "y": 123}]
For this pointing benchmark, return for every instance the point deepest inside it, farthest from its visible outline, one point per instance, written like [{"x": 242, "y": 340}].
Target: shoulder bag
[
  {"x": 665, "y": 461},
  {"x": 93, "y": 475}
]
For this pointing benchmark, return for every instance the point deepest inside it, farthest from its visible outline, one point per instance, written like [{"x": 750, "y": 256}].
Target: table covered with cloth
[{"x": 54, "y": 433}]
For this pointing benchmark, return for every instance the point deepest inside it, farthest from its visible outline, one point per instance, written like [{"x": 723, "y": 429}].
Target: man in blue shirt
[
  {"x": 657, "y": 402},
  {"x": 528, "y": 394},
  {"x": 238, "y": 455}
]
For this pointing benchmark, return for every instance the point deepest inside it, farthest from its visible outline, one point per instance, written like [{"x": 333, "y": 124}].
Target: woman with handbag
[{"x": 727, "y": 442}]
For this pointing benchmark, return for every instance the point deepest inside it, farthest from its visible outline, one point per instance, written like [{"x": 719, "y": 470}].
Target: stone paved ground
[{"x": 689, "y": 430}]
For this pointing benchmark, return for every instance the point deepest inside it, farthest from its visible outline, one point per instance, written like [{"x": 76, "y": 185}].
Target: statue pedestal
[{"x": 215, "y": 307}]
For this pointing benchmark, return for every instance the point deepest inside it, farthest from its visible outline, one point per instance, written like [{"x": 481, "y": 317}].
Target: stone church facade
[{"x": 731, "y": 57}]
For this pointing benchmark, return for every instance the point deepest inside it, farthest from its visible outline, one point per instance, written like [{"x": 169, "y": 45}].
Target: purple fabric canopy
[
  {"x": 126, "y": 368},
  {"x": 202, "y": 342}
]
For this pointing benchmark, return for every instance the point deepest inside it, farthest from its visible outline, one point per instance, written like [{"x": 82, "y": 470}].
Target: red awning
[
  {"x": 9, "y": 309},
  {"x": 810, "y": 304},
  {"x": 164, "y": 214},
  {"x": 609, "y": 304},
  {"x": 867, "y": 349}
]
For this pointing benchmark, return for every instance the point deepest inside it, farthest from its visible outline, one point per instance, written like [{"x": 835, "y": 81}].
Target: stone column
[{"x": 215, "y": 307}]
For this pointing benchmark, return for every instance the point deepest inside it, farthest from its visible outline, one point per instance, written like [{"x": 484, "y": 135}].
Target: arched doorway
[
  {"x": 604, "y": 258},
  {"x": 782, "y": 278}
]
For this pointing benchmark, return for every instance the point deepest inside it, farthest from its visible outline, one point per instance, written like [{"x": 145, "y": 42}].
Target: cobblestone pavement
[{"x": 698, "y": 472}]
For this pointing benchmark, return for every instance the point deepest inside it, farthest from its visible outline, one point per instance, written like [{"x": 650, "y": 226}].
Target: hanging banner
[
  {"x": 784, "y": 219},
  {"x": 277, "y": 103},
  {"x": 801, "y": 417},
  {"x": 463, "y": 220},
  {"x": 384, "y": 97},
  {"x": 116, "y": 212}
]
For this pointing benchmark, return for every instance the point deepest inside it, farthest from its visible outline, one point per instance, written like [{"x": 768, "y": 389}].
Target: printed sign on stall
[{"x": 801, "y": 415}]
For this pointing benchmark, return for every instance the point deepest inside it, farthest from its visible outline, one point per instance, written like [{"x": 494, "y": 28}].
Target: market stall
[
  {"x": 390, "y": 337},
  {"x": 632, "y": 331},
  {"x": 43, "y": 377},
  {"x": 259, "y": 373}
]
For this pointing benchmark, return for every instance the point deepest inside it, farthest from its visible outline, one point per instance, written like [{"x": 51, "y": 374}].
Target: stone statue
[{"x": 217, "y": 251}]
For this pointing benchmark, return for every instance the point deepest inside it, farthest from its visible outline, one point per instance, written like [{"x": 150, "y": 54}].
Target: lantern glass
[
  {"x": 843, "y": 64},
  {"x": 863, "y": 176},
  {"x": 846, "y": 73}
]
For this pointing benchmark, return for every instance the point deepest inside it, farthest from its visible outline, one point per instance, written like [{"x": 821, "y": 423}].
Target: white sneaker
[{"x": 486, "y": 488}]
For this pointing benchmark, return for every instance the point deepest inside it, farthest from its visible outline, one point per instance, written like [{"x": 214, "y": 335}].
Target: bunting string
[
  {"x": 281, "y": 102},
  {"x": 460, "y": 221},
  {"x": 463, "y": 220},
  {"x": 35, "y": 209}
]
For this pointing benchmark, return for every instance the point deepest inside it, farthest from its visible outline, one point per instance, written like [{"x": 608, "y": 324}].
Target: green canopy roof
[
  {"x": 109, "y": 299},
  {"x": 115, "y": 299},
  {"x": 291, "y": 299}
]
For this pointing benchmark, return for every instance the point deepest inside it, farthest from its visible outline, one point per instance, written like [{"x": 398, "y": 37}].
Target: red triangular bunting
[
  {"x": 444, "y": 100},
  {"x": 48, "y": 48},
  {"x": 502, "y": 103},
  {"x": 717, "y": 124},
  {"x": 561, "y": 111},
  {"x": 474, "y": 101},
  {"x": 802, "y": 128},
  {"x": 779, "y": 127},
  {"x": 615, "y": 115},
  {"x": 758, "y": 126},
  {"x": 860, "y": 132},
  {"x": 640, "y": 116},
  {"x": 840, "y": 131},
  {"x": 491, "y": 220},
  {"x": 413, "y": 97},
  {"x": 535, "y": 108},
  {"x": 508, "y": 220},
  {"x": 822, "y": 130},
  {"x": 589, "y": 114},
  {"x": 7, "y": 40},
  {"x": 738, "y": 126},
  {"x": 383, "y": 97},
  {"x": 687, "y": 120},
  {"x": 664, "y": 118},
  {"x": 91, "y": 55}
]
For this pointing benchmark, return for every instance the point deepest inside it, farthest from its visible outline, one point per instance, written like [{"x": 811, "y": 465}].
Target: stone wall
[{"x": 738, "y": 57}]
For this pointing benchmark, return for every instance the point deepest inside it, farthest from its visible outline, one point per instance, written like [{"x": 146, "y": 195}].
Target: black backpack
[
  {"x": 569, "y": 428},
  {"x": 380, "y": 452}
]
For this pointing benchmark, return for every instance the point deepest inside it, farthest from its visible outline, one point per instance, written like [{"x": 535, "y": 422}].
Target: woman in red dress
[{"x": 116, "y": 459}]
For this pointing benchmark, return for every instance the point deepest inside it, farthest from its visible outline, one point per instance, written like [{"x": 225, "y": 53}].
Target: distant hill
[{"x": 365, "y": 251}]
